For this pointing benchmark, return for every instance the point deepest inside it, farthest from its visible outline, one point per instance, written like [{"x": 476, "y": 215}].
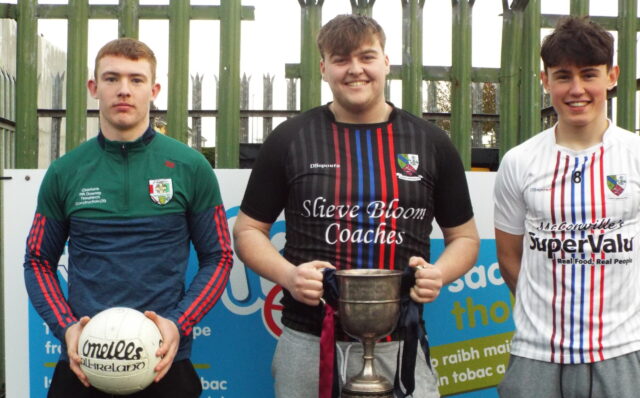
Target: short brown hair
[
  {"x": 345, "y": 33},
  {"x": 129, "y": 48},
  {"x": 578, "y": 41}
]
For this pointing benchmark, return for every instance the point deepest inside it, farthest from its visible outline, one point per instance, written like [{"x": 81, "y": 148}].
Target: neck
[
  {"x": 126, "y": 135},
  {"x": 581, "y": 137},
  {"x": 376, "y": 114}
]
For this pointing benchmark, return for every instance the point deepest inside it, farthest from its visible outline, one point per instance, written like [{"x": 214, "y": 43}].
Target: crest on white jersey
[{"x": 617, "y": 183}]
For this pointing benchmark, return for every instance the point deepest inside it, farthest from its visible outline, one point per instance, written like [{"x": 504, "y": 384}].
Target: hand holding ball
[{"x": 117, "y": 349}]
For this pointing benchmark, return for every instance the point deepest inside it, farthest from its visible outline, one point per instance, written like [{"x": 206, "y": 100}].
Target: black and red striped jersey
[{"x": 357, "y": 196}]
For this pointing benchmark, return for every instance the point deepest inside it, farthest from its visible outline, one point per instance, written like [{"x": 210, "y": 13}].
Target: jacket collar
[{"x": 140, "y": 143}]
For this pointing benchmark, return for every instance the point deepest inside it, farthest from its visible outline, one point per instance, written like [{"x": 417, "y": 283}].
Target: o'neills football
[{"x": 118, "y": 350}]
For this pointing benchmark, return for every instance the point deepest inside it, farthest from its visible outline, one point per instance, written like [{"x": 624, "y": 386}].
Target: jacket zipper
[{"x": 125, "y": 155}]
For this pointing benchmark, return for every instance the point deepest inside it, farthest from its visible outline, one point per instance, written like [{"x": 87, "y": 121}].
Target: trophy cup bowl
[{"x": 369, "y": 307}]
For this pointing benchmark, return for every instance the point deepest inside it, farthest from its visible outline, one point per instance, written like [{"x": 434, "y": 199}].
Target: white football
[{"x": 118, "y": 348}]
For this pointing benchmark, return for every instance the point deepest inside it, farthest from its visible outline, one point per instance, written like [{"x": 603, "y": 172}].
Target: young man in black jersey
[{"x": 360, "y": 182}]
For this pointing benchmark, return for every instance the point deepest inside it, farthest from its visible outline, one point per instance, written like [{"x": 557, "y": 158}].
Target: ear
[
  {"x": 614, "y": 73},
  {"x": 387, "y": 64},
  {"x": 544, "y": 78},
  {"x": 92, "y": 86},
  {"x": 155, "y": 90},
  {"x": 322, "y": 69}
]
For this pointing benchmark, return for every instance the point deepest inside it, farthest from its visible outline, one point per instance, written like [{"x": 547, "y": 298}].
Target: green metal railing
[
  {"x": 518, "y": 76},
  {"x": 128, "y": 13},
  {"x": 520, "y": 114}
]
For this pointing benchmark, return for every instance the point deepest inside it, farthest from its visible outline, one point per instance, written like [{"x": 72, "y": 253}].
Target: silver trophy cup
[{"x": 369, "y": 307}]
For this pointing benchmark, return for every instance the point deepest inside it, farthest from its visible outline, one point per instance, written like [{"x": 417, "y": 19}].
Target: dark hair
[
  {"x": 129, "y": 48},
  {"x": 578, "y": 41},
  {"x": 345, "y": 33}
]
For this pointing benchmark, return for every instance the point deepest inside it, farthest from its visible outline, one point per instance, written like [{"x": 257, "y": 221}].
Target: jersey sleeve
[
  {"x": 45, "y": 244},
  {"x": 268, "y": 175},
  {"x": 451, "y": 194},
  {"x": 209, "y": 234},
  {"x": 509, "y": 206}
]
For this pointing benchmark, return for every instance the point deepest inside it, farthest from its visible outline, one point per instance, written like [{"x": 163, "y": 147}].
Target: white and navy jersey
[
  {"x": 577, "y": 297},
  {"x": 356, "y": 195}
]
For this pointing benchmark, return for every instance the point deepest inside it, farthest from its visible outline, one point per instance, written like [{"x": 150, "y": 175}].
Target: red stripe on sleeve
[
  {"x": 215, "y": 285},
  {"x": 45, "y": 276},
  {"x": 54, "y": 287},
  {"x": 40, "y": 273}
]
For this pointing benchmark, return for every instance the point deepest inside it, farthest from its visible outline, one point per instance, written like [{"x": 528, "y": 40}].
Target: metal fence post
[
  {"x": 510, "y": 75},
  {"x": 267, "y": 104},
  {"x": 530, "y": 123},
  {"x": 27, "y": 86},
  {"x": 362, "y": 7},
  {"x": 228, "y": 122},
  {"x": 56, "y": 121},
  {"x": 196, "y": 104},
  {"x": 292, "y": 94},
  {"x": 579, "y": 7},
  {"x": 178, "y": 97},
  {"x": 310, "y": 78},
  {"x": 412, "y": 56},
  {"x": 244, "y": 105},
  {"x": 77, "y": 50},
  {"x": 627, "y": 59},
  {"x": 461, "y": 80},
  {"x": 128, "y": 25}
]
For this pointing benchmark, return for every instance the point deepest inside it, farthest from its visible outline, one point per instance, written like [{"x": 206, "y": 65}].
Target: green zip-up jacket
[{"x": 130, "y": 212}]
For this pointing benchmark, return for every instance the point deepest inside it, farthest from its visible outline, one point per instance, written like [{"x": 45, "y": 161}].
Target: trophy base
[
  {"x": 363, "y": 388},
  {"x": 366, "y": 394}
]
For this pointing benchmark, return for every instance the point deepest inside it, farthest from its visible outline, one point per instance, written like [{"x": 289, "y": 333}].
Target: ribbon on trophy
[
  {"x": 412, "y": 331},
  {"x": 409, "y": 328},
  {"x": 329, "y": 385}
]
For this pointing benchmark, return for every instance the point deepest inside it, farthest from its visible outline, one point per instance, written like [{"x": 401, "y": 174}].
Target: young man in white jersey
[{"x": 566, "y": 217}]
